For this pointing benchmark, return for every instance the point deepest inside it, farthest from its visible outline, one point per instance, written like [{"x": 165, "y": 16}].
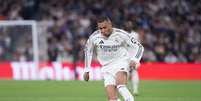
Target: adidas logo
[{"x": 101, "y": 42}]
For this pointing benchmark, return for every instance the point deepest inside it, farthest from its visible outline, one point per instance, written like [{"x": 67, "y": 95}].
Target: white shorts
[{"x": 109, "y": 71}]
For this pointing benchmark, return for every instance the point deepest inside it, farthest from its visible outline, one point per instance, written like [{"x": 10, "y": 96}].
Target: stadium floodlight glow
[{"x": 33, "y": 25}]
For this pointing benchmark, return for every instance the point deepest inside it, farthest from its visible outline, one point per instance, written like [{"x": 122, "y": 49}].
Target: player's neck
[
  {"x": 108, "y": 35},
  {"x": 129, "y": 31}
]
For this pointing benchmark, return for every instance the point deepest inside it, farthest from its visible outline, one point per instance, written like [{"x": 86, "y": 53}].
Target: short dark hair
[{"x": 102, "y": 18}]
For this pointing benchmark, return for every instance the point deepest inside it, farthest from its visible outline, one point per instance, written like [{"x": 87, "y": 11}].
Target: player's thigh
[
  {"x": 109, "y": 79},
  {"x": 111, "y": 92},
  {"x": 121, "y": 77}
]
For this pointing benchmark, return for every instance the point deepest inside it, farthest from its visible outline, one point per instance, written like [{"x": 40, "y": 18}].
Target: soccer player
[
  {"x": 134, "y": 74},
  {"x": 110, "y": 45}
]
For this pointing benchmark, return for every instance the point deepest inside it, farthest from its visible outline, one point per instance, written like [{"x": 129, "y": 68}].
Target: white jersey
[
  {"x": 135, "y": 35},
  {"x": 109, "y": 49}
]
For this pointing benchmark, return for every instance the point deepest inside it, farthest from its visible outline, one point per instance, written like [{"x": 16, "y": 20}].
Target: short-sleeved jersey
[{"x": 109, "y": 49}]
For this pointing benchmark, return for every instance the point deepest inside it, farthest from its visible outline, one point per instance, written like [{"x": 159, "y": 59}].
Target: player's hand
[
  {"x": 137, "y": 66},
  {"x": 86, "y": 76},
  {"x": 134, "y": 65}
]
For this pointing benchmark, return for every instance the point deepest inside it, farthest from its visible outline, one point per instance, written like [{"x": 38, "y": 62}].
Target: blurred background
[
  {"x": 169, "y": 30},
  {"x": 44, "y": 40}
]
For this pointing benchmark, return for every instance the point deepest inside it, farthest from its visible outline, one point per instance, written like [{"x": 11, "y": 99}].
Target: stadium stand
[{"x": 170, "y": 30}]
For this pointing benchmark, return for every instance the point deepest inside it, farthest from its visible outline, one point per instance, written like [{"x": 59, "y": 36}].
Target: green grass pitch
[{"x": 94, "y": 91}]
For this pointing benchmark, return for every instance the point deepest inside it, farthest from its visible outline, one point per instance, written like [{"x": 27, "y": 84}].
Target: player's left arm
[{"x": 136, "y": 49}]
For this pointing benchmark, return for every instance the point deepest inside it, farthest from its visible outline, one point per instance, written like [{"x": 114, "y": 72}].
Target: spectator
[{"x": 164, "y": 26}]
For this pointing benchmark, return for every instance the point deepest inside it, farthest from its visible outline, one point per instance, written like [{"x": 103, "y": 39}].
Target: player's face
[
  {"x": 105, "y": 27},
  {"x": 128, "y": 26}
]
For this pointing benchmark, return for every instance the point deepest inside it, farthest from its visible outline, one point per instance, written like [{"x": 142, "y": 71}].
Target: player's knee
[
  {"x": 121, "y": 78},
  {"x": 112, "y": 98},
  {"x": 121, "y": 82}
]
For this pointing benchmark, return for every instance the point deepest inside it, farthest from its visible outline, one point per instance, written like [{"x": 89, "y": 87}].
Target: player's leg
[
  {"x": 110, "y": 86},
  {"x": 121, "y": 80},
  {"x": 111, "y": 92},
  {"x": 135, "y": 81}
]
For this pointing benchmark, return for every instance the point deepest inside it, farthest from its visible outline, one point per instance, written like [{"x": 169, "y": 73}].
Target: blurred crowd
[{"x": 170, "y": 30}]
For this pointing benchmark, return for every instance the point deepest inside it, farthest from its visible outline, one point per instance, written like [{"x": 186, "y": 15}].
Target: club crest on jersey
[
  {"x": 101, "y": 42},
  {"x": 116, "y": 40}
]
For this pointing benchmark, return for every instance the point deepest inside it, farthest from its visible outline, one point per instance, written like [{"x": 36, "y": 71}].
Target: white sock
[
  {"x": 118, "y": 99},
  {"x": 135, "y": 80},
  {"x": 125, "y": 93}
]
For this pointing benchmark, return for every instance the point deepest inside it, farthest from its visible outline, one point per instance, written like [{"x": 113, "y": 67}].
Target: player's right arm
[{"x": 88, "y": 58}]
